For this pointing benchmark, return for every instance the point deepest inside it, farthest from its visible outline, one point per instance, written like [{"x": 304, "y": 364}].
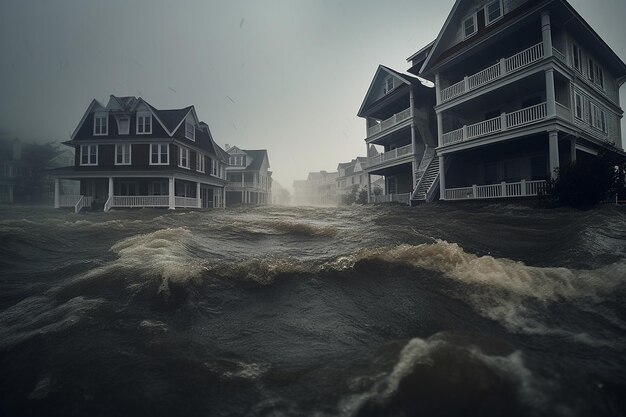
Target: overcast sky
[{"x": 285, "y": 75}]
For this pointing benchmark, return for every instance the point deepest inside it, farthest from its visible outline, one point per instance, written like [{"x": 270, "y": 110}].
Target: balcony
[
  {"x": 504, "y": 122},
  {"x": 503, "y": 190},
  {"x": 503, "y": 68},
  {"x": 389, "y": 156},
  {"x": 389, "y": 123}
]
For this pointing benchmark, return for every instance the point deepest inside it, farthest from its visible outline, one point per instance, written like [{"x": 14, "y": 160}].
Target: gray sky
[{"x": 286, "y": 75}]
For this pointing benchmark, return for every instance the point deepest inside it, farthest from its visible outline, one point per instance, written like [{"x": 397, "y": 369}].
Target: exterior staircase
[{"x": 427, "y": 180}]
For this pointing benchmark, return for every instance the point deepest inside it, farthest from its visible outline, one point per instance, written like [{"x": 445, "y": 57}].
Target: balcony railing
[
  {"x": 501, "y": 123},
  {"x": 504, "y": 189},
  {"x": 504, "y": 67},
  {"x": 390, "y": 155},
  {"x": 389, "y": 123}
]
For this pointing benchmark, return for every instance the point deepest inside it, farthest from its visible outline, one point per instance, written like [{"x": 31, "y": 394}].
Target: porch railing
[
  {"x": 522, "y": 188},
  {"x": 187, "y": 202},
  {"x": 140, "y": 201},
  {"x": 83, "y": 201},
  {"x": 497, "y": 124},
  {"x": 403, "y": 198},
  {"x": 504, "y": 67},
  {"x": 390, "y": 155},
  {"x": 68, "y": 200},
  {"x": 390, "y": 122}
]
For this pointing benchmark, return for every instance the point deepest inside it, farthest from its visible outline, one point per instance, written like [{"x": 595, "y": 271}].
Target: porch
[{"x": 504, "y": 189}]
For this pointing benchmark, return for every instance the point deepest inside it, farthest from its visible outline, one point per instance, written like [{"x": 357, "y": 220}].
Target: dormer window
[
  {"x": 190, "y": 131},
  {"x": 144, "y": 123},
  {"x": 493, "y": 11},
  {"x": 238, "y": 160},
  {"x": 470, "y": 26},
  {"x": 100, "y": 124},
  {"x": 123, "y": 125}
]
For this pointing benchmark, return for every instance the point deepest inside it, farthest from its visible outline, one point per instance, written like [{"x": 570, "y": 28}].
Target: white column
[
  {"x": 438, "y": 88},
  {"x": 57, "y": 190},
  {"x": 546, "y": 34},
  {"x": 369, "y": 187},
  {"x": 415, "y": 162},
  {"x": 198, "y": 195},
  {"x": 550, "y": 94},
  {"x": 111, "y": 187},
  {"x": 223, "y": 194},
  {"x": 572, "y": 150},
  {"x": 442, "y": 178},
  {"x": 553, "y": 143},
  {"x": 439, "y": 127},
  {"x": 171, "y": 194}
]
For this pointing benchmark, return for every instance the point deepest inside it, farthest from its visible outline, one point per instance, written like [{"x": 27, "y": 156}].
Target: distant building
[
  {"x": 130, "y": 154},
  {"x": 280, "y": 195},
  {"x": 351, "y": 175},
  {"x": 248, "y": 175},
  {"x": 319, "y": 189}
]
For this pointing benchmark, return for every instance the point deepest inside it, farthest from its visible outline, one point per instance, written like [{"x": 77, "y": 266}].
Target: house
[
  {"x": 522, "y": 88},
  {"x": 319, "y": 189},
  {"x": 248, "y": 175},
  {"x": 350, "y": 175},
  {"x": 299, "y": 193},
  {"x": 399, "y": 115},
  {"x": 130, "y": 154}
]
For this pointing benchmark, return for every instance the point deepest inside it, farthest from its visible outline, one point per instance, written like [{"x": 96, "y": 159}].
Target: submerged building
[
  {"x": 249, "y": 177},
  {"x": 521, "y": 87},
  {"x": 131, "y": 154}
]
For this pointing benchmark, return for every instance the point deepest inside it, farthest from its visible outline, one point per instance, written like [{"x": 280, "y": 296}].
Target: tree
[
  {"x": 350, "y": 198},
  {"x": 362, "y": 197},
  {"x": 32, "y": 183},
  {"x": 588, "y": 181}
]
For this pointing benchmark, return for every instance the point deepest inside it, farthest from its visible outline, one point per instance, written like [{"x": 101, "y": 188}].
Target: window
[
  {"x": 389, "y": 85},
  {"x": 595, "y": 73},
  {"x": 123, "y": 124},
  {"x": 238, "y": 160},
  {"x": 159, "y": 154},
  {"x": 144, "y": 123},
  {"x": 578, "y": 103},
  {"x": 598, "y": 117},
  {"x": 493, "y": 11},
  {"x": 469, "y": 26},
  {"x": 100, "y": 124},
  {"x": 183, "y": 157},
  {"x": 190, "y": 131},
  {"x": 590, "y": 71},
  {"x": 122, "y": 154},
  {"x": 89, "y": 154},
  {"x": 199, "y": 162},
  {"x": 577, "y": 57},
  {"x": 214, "y": 167}
]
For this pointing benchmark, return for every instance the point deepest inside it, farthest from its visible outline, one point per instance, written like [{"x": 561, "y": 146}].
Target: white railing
[
  {"x": 454, "y": 90},
  {"x": 186, "y": 202},
  {"x": 504, "y": 67},
  {"x": 527, "y": 115},
  {"x": 526, "y": 57},
  {"x": 452, "y": 137},
  {"x": 390, "y": 155},
  {"x": 83, "y": 201},
  {"x": 484, "y": 76},
  {"x": 68, "y": 200},
  {"x": 140, "y": 201},
  {"x": 484, "y": 128},
  {"x": 522, "y": 188},
  {"x": 390, "y": 122},
  {"x": 107, "y": 204},
  {"x": 517, "y": 118}
]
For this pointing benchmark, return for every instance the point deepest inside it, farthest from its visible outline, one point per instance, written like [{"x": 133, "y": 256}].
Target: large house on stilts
[
  {"x": 130, "y": 154},
  {"x": 522, "y": 87}
]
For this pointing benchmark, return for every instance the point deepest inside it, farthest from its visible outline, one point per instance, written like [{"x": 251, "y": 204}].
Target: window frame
[
  {"x": 143, "y": 116},
  {"x": 486, "y": 9},
  {"x": 200, "y": 162},
  {"x": 577, "y": 56},
  {"x": 579, "y": 97},
  {"x": 182, "y": 150},
  {"x": 119, "y": 129},
  {"x": 130, "y": 153},
  {"x": 474, "y": 24},
  {"x": 389, "y": 84},
  {"x": 160, "y": 154},
  {"x": 104, "y": 129},
  {"x": 192, "y": 131},
  {"x": 89, "y": 155}
]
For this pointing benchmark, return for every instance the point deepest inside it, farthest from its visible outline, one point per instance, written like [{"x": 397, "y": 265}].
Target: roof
[
  {"x": 257, "y": 156},
  {"x": 170, "y": 118}
]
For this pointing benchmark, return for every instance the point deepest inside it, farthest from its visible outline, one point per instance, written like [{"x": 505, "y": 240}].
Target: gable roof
[
  {"x": 257, "y": 155},
  {"x": 93, "y": 103},
  {"x": 383, "y": 71}
]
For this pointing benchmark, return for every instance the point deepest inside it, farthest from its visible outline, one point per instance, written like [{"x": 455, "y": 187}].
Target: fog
[{"x": 284, "y": 75}]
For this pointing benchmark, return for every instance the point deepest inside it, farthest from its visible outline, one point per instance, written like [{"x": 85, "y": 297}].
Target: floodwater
[{"x": 438, "y": 310}]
